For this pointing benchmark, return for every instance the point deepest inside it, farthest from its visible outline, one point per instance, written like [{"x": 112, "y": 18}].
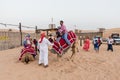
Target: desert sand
[{"x": 84, "y": 66}]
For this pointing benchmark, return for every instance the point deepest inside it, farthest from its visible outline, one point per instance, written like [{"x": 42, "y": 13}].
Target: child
[
  {"x": 43, "y": 48},
  {"x": 96, "y": 46}
]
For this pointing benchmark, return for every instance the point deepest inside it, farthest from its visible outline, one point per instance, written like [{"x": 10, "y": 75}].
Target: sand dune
[{"x": 85, "y": 66}]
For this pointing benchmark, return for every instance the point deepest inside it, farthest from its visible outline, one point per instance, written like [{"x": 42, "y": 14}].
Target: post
[
  {"x": 80, "y": 40},
  {"x": 20, "y": 34}
]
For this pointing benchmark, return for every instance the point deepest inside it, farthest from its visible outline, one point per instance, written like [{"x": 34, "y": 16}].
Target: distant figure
[
  {"x": 64, "y": 32},
  {"x": 99, "y": 41},
  {"x": 43, "y": 44},
  {"x": 96, "y": 46},
  {"x": 86, "y": 44},
  {"x": 110, "y": 42}
]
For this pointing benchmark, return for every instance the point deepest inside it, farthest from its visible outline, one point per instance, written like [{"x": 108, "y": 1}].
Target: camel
[
  {"x": 27, "y": 57},
  {"x": 74, "y": 47}
]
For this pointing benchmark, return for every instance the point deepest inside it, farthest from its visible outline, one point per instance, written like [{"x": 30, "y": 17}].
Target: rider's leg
[
  {"x": 65, "y": 38},
  {"x": 58, "y": 39}
]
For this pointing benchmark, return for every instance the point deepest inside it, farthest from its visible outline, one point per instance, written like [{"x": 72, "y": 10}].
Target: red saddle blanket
[
  {"x": 27, "y": 49},
  {"x": 71, "y": 37}
]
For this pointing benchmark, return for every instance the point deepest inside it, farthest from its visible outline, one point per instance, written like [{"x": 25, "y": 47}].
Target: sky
[{"x": 79, "y": 14}]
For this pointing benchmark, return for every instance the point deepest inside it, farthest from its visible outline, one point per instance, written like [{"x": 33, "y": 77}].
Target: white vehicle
[{"x": 116, "y": 40}]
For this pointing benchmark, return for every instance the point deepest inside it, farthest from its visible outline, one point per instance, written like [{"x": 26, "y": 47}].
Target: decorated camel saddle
[
  {"x": 27, "y": 54},
  {"x": 59, "y": 50}
]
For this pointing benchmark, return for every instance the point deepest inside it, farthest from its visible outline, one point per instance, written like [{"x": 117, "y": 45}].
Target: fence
[
  {"x": 91, "y": 35},
  {"x": 10, "y": 40}
]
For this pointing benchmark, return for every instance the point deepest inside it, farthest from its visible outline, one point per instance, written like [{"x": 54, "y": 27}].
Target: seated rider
[
  {"x": 26, "y": 41},
  {"x": 64, "y": 32},
  {"x": 27, "y": 47},
  {"x": 58, "y": 38}
]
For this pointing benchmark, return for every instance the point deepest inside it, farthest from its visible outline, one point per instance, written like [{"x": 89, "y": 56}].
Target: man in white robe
[{"x": 43, "y": 44}]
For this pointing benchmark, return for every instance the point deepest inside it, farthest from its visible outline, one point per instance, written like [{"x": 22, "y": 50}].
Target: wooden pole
[
  {"x": 20, "y": 33},
  {"x": 80, "y": 41}
]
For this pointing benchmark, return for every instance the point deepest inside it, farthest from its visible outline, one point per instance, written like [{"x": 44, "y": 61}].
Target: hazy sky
[{"x": 85, "y": 14}]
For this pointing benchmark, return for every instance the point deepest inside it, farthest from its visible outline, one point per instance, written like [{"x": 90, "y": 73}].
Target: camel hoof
[
  {"x": 27, "y": 59},
  {"x": 52, "y": 51}
]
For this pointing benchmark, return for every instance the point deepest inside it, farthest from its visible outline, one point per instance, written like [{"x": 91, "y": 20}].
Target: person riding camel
[
  {"x": 26, "y": 41},
  {"x": 27, "y": 47},
  {"x": 63, "y": 31}
]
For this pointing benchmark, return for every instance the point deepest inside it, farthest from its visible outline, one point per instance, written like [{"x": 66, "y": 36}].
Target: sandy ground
[{"x": 84, "y": 66}]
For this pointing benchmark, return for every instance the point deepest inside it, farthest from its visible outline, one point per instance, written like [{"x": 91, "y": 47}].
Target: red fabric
[
  {"x": 42, "y": 36},
  {"x": 71, "y": 38},
  {"x": 86, "y": 44},
  {"x": 99, "y": 41},
  {"x": 27, "y": 49}
]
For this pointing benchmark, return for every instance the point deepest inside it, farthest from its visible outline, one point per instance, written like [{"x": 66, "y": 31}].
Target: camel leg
[
  {"x": 73, "y": 50},
  {"x": 58, "y": 56},
  {"x": 71, "y": 55}
]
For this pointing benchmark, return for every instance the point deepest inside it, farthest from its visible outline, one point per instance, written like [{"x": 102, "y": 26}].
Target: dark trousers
[{"x": 110, "y": 47}]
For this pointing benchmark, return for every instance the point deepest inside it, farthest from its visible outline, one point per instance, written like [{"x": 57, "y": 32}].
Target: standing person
[
  {"x": 99, "y": 41},
  {"x": 43, "y": 48},
  {"x": 96, "y": 46},
  {"x": 64, "y": 32},
  {"x": 86, "y": 44},
  {"x": 35, "y": 44},
  {"x": 110, "y": 42}
]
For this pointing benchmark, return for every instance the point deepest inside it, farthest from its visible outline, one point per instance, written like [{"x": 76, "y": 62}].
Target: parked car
[
  {"x": 116, "y": 40},
  {"x": 115, "y": 35}
]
